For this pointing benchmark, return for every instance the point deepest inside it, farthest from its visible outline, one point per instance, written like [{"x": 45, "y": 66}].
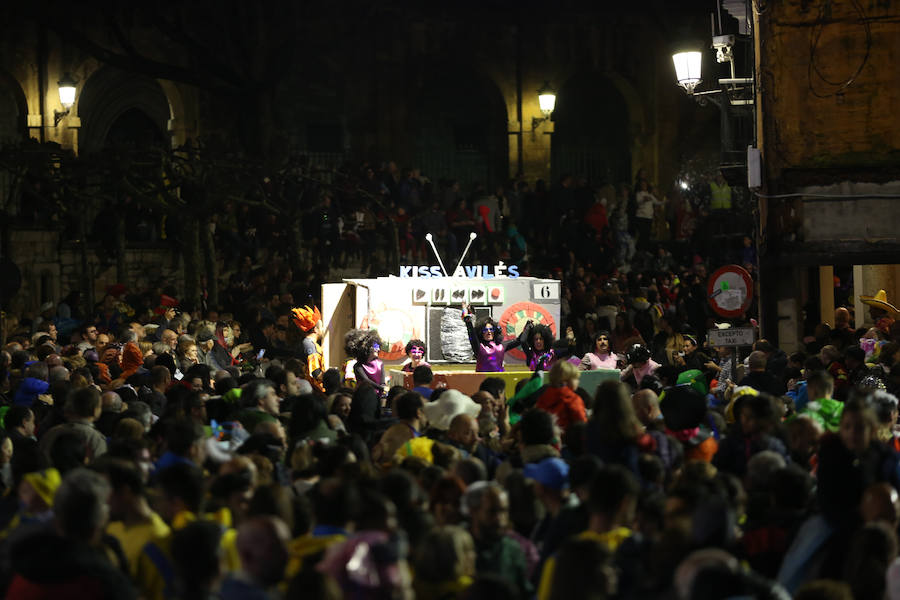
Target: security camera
[{"x": 723, "y": 44}]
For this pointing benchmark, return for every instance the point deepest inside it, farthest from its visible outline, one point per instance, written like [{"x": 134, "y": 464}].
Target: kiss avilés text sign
[{"x": 498, "y": 271}]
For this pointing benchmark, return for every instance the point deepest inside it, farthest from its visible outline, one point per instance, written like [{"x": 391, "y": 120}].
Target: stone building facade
[
  {"x": 830, "y": 144},
  {"x": 451, "y": 89}
]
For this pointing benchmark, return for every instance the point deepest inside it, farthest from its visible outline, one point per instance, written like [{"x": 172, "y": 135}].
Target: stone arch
[
  {"x": 638, "y": 126},
  {"x": 13, "y": 110},
  {"x": 13, "y": 129},
  {"x": 110, "y": 94},
  {"x": 458, "y": 119},
  {"x": 599, "y": 123},
  {"x": 180, "y": 125}
]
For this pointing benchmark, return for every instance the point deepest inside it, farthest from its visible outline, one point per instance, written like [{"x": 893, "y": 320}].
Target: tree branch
[{"x": 135, "y": 63}]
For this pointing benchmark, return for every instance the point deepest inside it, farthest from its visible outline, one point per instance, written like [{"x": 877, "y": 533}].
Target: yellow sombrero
[{"x": 879, "y": 300}]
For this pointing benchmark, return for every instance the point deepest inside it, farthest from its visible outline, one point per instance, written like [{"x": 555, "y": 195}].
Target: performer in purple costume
[
  {"x": 487, "y": 342},
  {"x": 364, "y": 345},
  {"x": 540, "y": 347}
]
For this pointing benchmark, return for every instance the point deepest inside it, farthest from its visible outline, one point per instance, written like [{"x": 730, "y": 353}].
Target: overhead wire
[{"x": 814, "y": 37}]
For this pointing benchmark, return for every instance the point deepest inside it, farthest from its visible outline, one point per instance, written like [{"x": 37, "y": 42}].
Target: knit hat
[
  {"x": 132, "y": 359},
  {"x": 551, "y": 473},
  {"x": 45, "y": 483},
  {"x": 450, "y": 404}
]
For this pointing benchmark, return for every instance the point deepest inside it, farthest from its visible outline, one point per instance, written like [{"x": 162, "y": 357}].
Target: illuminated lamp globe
[
  {"x": 687, "y": 69},
  {"x": 67, "y": 91},
  {"x": 546, "y": 99}
]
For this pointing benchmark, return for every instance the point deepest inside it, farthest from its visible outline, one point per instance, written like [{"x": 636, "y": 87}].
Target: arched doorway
[
  {"x": 12, "y": 116},
  {"x": 592, "y": 135},
  {"x": 120, "y": 108},
  {"x": 12, "y": 131},
  {"x": 133, "y": 128},
  {"x": 459, "y": 127}
]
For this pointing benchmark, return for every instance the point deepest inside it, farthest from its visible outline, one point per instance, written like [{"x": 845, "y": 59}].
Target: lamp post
[
  {"x": 67, "y": 87},
  {"x": 734, "y": 97},
  {"x": 547, "y": 102}
]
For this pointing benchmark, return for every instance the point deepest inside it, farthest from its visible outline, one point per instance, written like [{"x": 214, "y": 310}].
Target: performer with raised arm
[
  {"x": 487, "y": 342},
  {"x": 541, "y": 348}
]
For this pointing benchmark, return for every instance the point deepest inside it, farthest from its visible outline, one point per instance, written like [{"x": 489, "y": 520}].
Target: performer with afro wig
[
  {"x": 541, "y": 348},
  {"x": 415, "y": 351},
  {"x": 364, "y": 345},
  {"x": 487, "y": 342}
]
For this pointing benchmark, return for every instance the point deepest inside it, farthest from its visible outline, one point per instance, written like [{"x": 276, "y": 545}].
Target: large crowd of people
[
  {"x": 348, "y": 217},
  {"x": 157, "y": 450}
]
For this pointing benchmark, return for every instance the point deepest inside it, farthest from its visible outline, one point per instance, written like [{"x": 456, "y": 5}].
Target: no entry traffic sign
[{"x": 730, "y": 291}]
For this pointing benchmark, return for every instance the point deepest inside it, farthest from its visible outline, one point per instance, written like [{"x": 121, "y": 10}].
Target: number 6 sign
[{"x": 545, "y": 291}]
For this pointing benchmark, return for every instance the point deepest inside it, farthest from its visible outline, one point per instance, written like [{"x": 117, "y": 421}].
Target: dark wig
[
  {"x": 597, "y": 335},
  {"x": 483, "y": 322},
  {"x": 544, "y": 332},
  {"x": 359, "y": 342},
  {"x": 415, "y": 344}
]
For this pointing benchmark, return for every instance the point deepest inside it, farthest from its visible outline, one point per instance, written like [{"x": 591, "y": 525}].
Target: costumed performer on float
[
  {"x": 487, "y": 342},
  {"x": 415, "y": 352},
  {"x": 365, "y": 345},
  {"x": 541, "y": 348},
  {"x": 309, "y": 321},
  {"x": 601, "y": 357},
  {"x": 639, "y": 366}
]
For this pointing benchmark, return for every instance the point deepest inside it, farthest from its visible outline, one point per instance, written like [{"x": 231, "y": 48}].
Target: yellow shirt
[
  {"x": 306, "y": 546},
  {"x": 154, "y": 573},
  {"x": 612, "y": 539},
  {"x": 134, "y": 538}
]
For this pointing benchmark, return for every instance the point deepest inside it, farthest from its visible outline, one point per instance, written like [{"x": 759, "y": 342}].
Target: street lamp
[
  {"x": 687, "y": 69},
  {"x": 733, "y": 95},
  {"x": 737, "y": 90},
  {"x": 547, "y": 102},
  {"x": 66, "y": 97}
]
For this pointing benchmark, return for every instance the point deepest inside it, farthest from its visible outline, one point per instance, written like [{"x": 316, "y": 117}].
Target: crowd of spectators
[
  {"x": 157, "y": 450},
  {"x": 156, "y": 457},
  {"x": 349, "y": 216}
]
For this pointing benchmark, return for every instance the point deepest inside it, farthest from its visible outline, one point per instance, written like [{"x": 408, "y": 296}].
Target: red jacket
[{"x": 564, "y": 403}]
